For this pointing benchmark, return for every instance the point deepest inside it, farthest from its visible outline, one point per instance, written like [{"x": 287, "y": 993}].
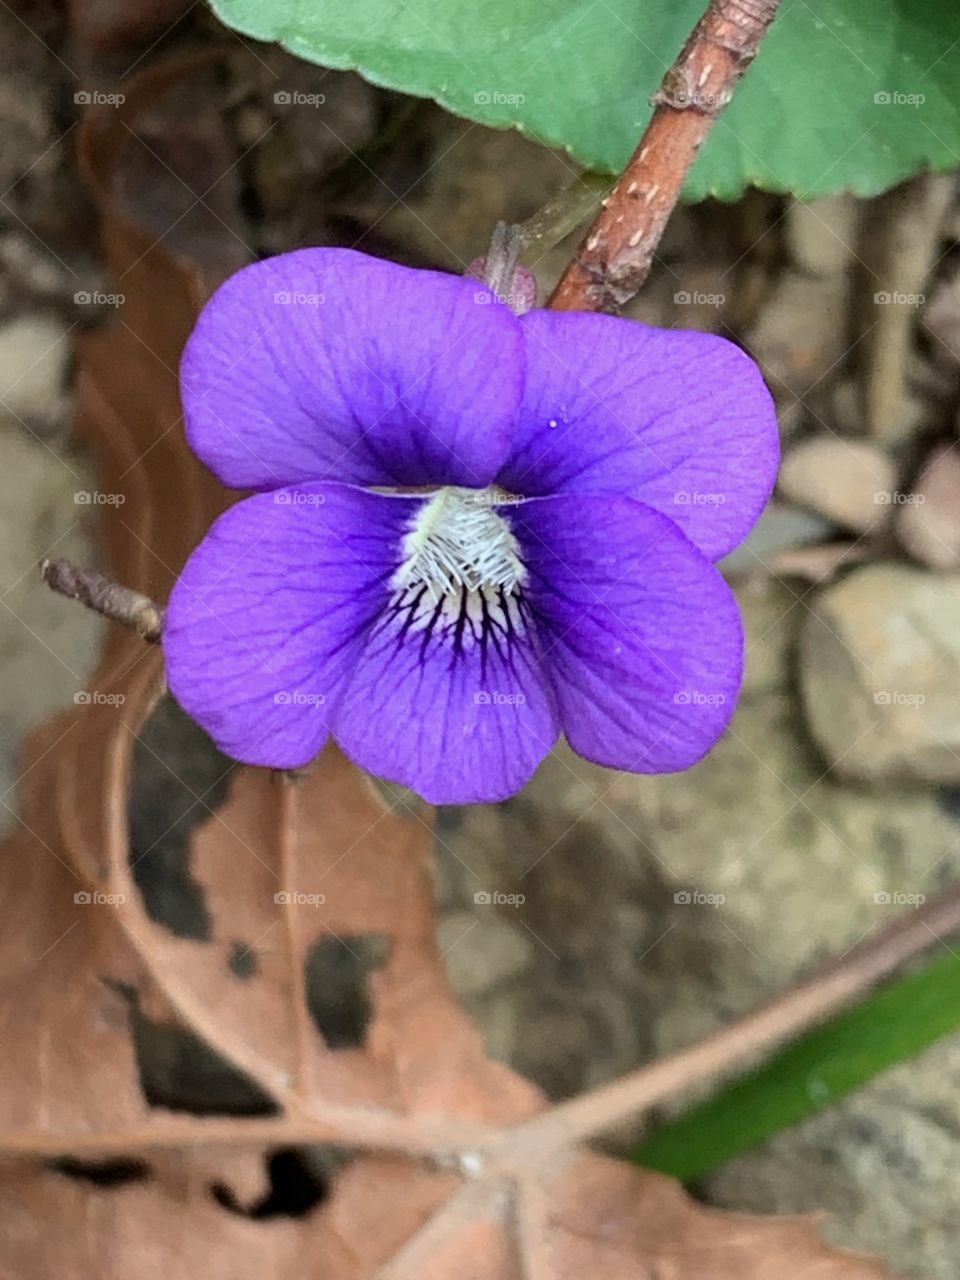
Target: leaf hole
[
  {"x": 337, "y": 973},
  {"x": 296, "y": 1187}
]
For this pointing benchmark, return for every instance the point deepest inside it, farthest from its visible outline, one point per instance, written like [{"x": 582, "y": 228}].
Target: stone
[
  {"x": 941, "y": 318},
  {"x": 780, "y": 528},
  {"x": 48, "y": 645},
  {"x": 884, "y": 1160},
  {"x": 481, "y": 950},
  {"x": 34, "y": 357},
  {"x": 799, "y": 337},
  {"x": 822, "y": 563},
  {"x": 821, "y": 234},
  {"x": 771, "y": 622},
  {"x": 928, "y": 520},
  {"x": 880, "y": 675},
  {"x": 850, "y": 482}
]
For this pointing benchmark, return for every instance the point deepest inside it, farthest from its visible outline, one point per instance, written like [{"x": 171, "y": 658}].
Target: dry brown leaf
[{"x": 77, "y": 975}]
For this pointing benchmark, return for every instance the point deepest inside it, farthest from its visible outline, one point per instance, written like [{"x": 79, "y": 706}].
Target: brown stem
[
  {"x": 288, "y": 827},
  {"x": 104, "y": 596},
  {"x": 615, "y": 256},
  {"x": 738, "y": 1045}
]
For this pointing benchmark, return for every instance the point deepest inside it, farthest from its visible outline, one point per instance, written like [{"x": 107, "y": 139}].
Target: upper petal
[
  {"x": 680, "y": 420},
  {"x": 263, "y": 623},
  {"x": 641, "y": 634},
  {"x": 326, "y": 364}
]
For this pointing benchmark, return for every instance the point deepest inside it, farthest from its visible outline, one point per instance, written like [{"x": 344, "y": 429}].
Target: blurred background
[{"x": 636, "y": 914}]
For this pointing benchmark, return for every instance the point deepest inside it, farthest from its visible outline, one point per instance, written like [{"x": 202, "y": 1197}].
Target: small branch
[
  {"x": 105, "y": 597},
  {"x": 737, "y": 1046},
  {"x": 614, "y": 259},
  {"x": 532, "y": 1226},
  {"x": 563, "y": 213},
  {"x": 500, "y": 270}
]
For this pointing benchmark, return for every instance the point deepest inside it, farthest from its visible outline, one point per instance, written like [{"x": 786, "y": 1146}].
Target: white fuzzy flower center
[
  {"x": 460, "y": 543},
  {"x": 461, "y": 574}
]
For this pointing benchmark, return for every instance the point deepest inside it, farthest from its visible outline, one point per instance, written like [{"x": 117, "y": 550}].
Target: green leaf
[
  {"x": 578, "y": 74},
  {"x": 889, "y": 1026}
]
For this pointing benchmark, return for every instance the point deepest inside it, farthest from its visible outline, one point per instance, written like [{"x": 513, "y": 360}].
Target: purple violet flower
[{"x": 472, "y": 530}]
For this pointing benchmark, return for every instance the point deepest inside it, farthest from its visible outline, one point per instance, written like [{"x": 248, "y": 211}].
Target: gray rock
[
  {"x": 481, "y": 950},
  {"x": 942, "y": 318},
  {"x": 34, "y": 356},
  {"x": 928, "y": 520},
  {"x": 884, "y": 1160},
  {"x": 822, "y": 234},
  {"x": 799, "y": 336},
  {"x": 780, "y": 528},
  {"x": 847, "y": 481},
  {"x": 880, "y": 674},
  {"x": 48, "y": 645},
  {"x": 771, "y": 621}
]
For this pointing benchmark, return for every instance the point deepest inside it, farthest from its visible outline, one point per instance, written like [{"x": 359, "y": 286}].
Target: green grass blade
[{"x": 889, "y": 1026}]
